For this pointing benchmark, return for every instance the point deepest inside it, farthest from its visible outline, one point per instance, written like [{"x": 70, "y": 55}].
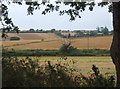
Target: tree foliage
[
  {"x": 6, "y": 21},
  {"x": 14, "y": 38}
]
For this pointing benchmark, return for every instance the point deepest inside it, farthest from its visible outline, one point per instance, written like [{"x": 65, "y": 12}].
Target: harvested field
[
  {"x": 66, "y": 34},
  {"x": 32, "y": 36},
  {"x": 103, "y": 42},
  {"x": 50, "y": 44},
  {"x": 51, "y": 41}
]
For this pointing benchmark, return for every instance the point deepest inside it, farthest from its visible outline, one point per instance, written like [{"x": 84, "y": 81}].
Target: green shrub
[
  {"x": 67, "y": 49},
  {"x": 14, "y": 38}
]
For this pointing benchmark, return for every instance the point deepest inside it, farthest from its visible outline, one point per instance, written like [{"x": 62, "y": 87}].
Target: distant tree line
[
  {"x": 31, "y": 30},
  {"x": 99, "y": 31}
]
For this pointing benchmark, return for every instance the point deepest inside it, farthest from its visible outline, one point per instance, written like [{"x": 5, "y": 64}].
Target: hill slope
[
  {"x": 32, "y": 36},
  {"x": 51, "y": 41}
]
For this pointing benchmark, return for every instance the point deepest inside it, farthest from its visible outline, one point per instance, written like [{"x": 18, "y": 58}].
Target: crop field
[
  {"x": 103, "y": 42},
  {"x": 66, "y": 34},
  {"x": 32, "y": 36},
  {"x": 51, "y": 41},
  {"x": 82, "y": 64}
]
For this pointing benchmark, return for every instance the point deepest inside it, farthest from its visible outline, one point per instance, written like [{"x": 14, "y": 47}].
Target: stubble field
[{"x": 51, "y": 41}]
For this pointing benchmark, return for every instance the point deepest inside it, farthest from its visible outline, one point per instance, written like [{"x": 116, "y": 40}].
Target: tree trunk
[{"x": 115, "y": 47}]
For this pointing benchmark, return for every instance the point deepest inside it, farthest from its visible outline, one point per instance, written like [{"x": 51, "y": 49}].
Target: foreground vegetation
[
  {"x": 31, "y": 73},
  {"x": 81, "y": 63}
]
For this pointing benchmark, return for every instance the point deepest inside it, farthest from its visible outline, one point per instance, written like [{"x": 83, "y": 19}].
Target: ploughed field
[
  {"x": 51, "y": 41},
  {"x": 81, "y": 64}
]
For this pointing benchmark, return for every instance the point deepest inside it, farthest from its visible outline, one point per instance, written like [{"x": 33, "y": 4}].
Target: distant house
[{"x": 100, "y": 33}]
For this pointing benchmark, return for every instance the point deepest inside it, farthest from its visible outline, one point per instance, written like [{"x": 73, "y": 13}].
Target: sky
[{"x": 99, "y": 17}]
